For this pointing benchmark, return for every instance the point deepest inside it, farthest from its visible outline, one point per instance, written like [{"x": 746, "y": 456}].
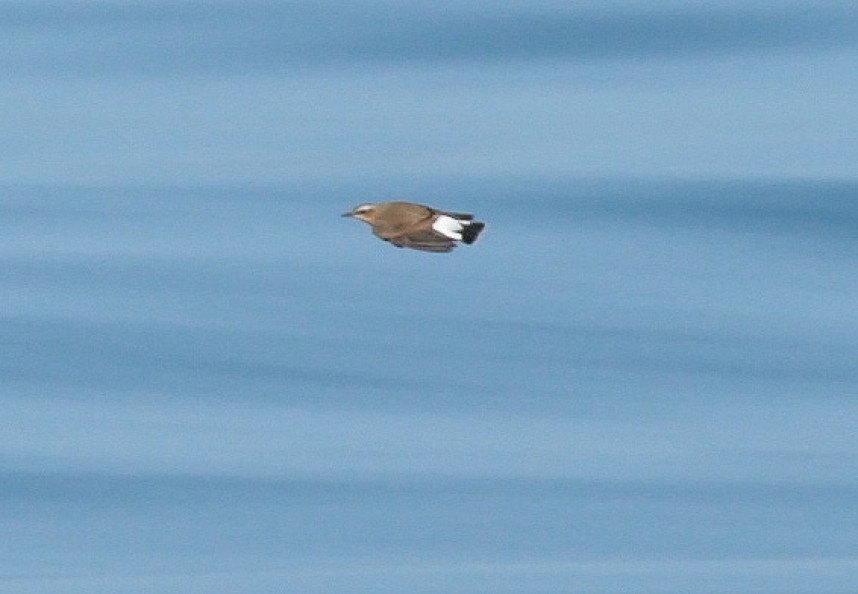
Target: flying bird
[{"x": 419, "y": 227}]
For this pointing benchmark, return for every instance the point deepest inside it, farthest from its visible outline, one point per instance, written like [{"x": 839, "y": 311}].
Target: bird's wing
[
  {"x": 461, "y": 216},
  {"x": 426, "y": 240}
]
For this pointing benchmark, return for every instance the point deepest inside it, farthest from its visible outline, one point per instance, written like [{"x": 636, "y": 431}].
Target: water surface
[{"x": 641, "y": 378}]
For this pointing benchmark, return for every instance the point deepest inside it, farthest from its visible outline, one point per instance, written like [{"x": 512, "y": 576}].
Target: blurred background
[{"x": 642, "y": 378}]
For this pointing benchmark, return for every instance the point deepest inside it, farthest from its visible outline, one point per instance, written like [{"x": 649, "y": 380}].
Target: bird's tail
[
  {"x": 471, "y": 231},
  {"x": 458, "y": 227}
]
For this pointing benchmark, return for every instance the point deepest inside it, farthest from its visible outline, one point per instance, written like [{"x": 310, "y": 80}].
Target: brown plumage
[{"x": 406, "y": 224}]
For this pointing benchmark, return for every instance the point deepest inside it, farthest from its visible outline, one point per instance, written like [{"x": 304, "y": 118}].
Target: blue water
[{"x": 642, "y": 378}]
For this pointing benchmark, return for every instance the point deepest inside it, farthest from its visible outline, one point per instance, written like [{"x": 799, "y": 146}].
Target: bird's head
[{"x": 364, "y": 212}]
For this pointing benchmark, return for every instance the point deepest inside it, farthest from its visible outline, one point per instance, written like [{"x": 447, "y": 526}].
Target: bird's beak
[{"x": 348, "y": 214}]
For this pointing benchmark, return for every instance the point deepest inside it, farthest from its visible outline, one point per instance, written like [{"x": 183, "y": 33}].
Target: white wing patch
[{"x": 449, "y": 227}]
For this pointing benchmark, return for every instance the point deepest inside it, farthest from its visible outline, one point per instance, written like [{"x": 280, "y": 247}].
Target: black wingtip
[{"x": 471, "y": 232}]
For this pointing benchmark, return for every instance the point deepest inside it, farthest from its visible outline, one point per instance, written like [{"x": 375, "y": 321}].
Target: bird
[{"x": 416, "y": 226}]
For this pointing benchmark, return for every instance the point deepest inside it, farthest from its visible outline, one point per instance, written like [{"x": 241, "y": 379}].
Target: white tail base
[{"x": 449, "y": 227}]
